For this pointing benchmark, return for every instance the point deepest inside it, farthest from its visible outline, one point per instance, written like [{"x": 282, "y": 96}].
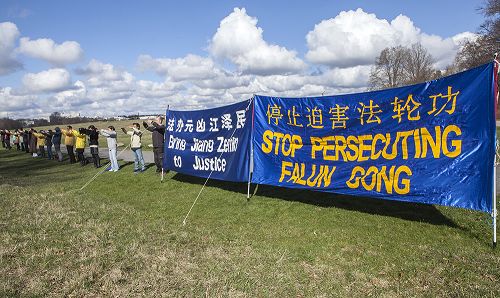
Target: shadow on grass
[
  {"x": 35, "y": 171},
  {"x": 131, "y": 163},
  {"x": 403, "y": 210},
  {"x": 125, "y": 164},
  {"x": 20, "y": 168}
]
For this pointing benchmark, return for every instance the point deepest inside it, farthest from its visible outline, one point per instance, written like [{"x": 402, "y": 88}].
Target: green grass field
[
  {"x": 122, "y": 138},
  {"x": 123, "y": 236}
]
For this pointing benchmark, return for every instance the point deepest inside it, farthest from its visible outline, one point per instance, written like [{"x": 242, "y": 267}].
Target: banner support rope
[
  {"x": 102, "y": 171},
  {"x": 209, "y": 175}
]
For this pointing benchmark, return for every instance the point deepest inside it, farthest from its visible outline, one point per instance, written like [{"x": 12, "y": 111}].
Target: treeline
[
  {"x": 400, "y": 66},
  {"x": 10, "y": 123},
  {"x": 7, "y": 123},
  {"x": 54, "y": 119},
  {"x": 57, "y": 119}
]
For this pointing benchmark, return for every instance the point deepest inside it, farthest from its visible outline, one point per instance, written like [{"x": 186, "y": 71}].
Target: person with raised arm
[
  {"x": 32, "y": 143},
  {"x": 136, "y": 146},
  {"x": 56, "y": 140},
  {"x": 93, "y": 134},
  {"x": 2, "y": 134},
  {"x": 40, "y": 141},
  {"x": 7, "y": 139},
  {"x": 48, "y": 142},
  {"x": 110, "y": 135},
  {"x": 26, "y": 141},
  {"x": 69, "y": 141},
  {"x": 157, "y": 128},
  {"x": 81, "y": 142},
  {"x": 15, "y": 139}
]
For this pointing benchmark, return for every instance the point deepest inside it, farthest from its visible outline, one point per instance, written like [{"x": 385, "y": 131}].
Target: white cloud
[
  {"x": 12, "y": 102},
  {"x": 356, "y": 38},
  {"x": 149, "y": 89},
  {"x": 46, "y": 49},
  {"x": 77, "y": 96},
  {"x": 8, "y": 37},
  {"x": 105, "y": 74},
  {"x": 444, "y": 50},
  {"x": 349, "y": 77},
  {"x": 191, "y": 67},
  {"x": 52, "y": 80},
  {"x": 239, "y": 63},
  {"x": 239, "y": 40}
]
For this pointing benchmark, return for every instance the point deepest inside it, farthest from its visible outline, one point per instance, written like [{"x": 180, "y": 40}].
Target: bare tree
[
  {"x": 479, "y": 51},
  {"x": 398, "y": 66},
  {"x": 418, "y": 65},
  {"x": 388, "y": 71},
  {"x": 474, "y": 53},
  {"x": 491, "y": 25}
]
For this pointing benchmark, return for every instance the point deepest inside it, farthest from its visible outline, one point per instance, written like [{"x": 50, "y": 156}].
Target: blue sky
[{"x": 116, "y": 34}]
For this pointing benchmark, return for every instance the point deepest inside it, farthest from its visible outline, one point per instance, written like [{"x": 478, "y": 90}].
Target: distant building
[
  {"x": 27, "y": 122},
  {"x": 148, "y": 117},
  {"x": 120, "y": 118}
]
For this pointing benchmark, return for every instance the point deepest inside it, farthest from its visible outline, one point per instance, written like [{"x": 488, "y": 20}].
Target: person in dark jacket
[
  {"x": 26, "y": 141},
  {"x": 7, "y": 139},
  {"x": 2, "y": 134},
  {"x": 48, "y": 142},
  {"x": 56, "y": 140},
  {"x": 158, "y": 129},
  {"x": 93, "y": 134}
]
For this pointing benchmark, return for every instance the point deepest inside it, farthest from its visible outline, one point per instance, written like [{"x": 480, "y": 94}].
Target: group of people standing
[{"x": 40, "y": 143}]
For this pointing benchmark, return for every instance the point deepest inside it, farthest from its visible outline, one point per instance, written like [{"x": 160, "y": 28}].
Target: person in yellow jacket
[
  {"x": 69, "y": 141},
  {"x": 40, "y": 141},
  {"x": 81, "y": 141}
]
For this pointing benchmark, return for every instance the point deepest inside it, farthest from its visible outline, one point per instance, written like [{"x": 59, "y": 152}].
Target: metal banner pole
[
  {"x": 250, "y": 168},
  {"x": 494, "y": 212},
  {"x": 163, "y": 157},
  {"x": 494, "y": 199}
]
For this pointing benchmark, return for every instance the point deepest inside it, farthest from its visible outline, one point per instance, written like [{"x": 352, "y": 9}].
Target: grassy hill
[{"x": 123, "y": 236}]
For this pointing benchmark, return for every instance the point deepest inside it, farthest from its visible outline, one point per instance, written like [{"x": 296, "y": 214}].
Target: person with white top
[
  {"x": 136, "y": 146},
  {"x": 110, "y": 135}
]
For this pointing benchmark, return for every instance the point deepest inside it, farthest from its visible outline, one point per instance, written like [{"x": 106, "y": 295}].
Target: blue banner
[
  {"x": 213, "y": 141},
  {"x": 429, "y": 143}
]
